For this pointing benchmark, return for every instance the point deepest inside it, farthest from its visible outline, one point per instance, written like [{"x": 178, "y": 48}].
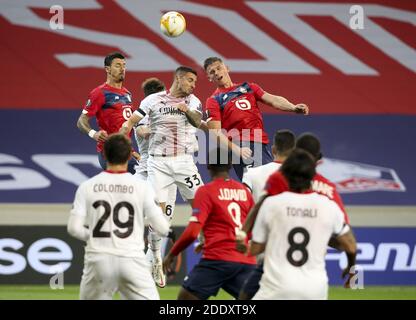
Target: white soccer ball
[{"x": 172, "y": 24}]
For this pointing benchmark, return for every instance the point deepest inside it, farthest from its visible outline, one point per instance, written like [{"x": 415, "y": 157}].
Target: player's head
[
  {"x": 309, "y": 142},
  {"x": 152, "y": 85},
  {"x": 185, "y": 80},
  {"x": 115, "y": 67},
  {"x": 217, "y": 71},
  {"x": 117, "y": 149},
  {"x": 299, "y": 170},
  {"x": 283, "y": 143},
  {"x": 219, "y": 161}
]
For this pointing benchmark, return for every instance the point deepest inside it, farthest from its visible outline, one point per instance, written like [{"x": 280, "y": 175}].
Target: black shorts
[
  {"x": 261, "y": 155},
  {"x": 208, "y": 276},
  {"x": 252, "y": 284}
]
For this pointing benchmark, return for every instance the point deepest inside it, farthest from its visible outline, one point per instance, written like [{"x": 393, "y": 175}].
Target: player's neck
[
  {"x": 226, "y": 84},
  {"x": 114, "y": 84},
  {"x": 279, "y": 159},
  {"x": 117, "y": 167},
  {"x": 174, "y": 91}
]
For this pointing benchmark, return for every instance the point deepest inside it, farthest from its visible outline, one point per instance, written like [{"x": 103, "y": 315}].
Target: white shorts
[
  {"x": 301, "y": 291},
  {"x": 104, "y": 274},
  {"x": 179, "y": 170}
]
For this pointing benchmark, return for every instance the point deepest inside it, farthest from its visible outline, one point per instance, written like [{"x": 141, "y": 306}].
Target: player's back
[
  {"x": 255, "y": 178},
  {"x": 115, "y": 206},
  {"x": 299, "y": 228},
  {"x": 225, "y": 206}
]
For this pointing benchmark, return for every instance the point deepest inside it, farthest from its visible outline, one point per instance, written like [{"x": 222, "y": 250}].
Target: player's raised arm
[{"x": 282, "y": 103}]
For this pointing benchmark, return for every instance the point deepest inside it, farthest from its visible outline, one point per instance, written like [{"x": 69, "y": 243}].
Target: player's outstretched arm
[
  {"x": 283, "y": 104},
  {"x": 188, "y": 236}
]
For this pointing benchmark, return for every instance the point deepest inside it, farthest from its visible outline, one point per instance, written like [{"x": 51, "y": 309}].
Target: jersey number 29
[{"x": 128, "y": 225}]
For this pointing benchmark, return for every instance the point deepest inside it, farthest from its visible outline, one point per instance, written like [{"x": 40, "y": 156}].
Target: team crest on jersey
[{"x": 243, "y": 90}]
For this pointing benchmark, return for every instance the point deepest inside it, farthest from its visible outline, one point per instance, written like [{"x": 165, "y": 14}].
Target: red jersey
[
  {"x": 221, "y": 207},
  {"x": 236, "y": 107},
  {"x": 111, "y": 107},
  {"x": 277, "y": 183}
]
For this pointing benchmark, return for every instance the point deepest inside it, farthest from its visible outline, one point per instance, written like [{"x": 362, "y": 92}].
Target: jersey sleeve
[
  {"x": 258, "y": 91},
  {"x": 144, "y": 107},
  {"x": 79, "y": 206},
  {"x": 339, "y": 227},
  {"x": 195, "y": 104},
  {"x": 248, "y": 180},
  {"x": 261, "y": 230},
  {"x": 202, "y": 206},
  {"x": 213, "y": 110},
  {"x": 276, "y": 184},
  {"x": 338, "y": 201},
  {"x": 94, "y": 103}
]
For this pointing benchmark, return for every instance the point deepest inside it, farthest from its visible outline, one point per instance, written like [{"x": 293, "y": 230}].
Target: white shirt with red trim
[
  {"x": 255, "y": 178},
  {"x": 296, "y": 229},
  {"x": 114, "y": 206},
  {"x": 171, "y": 132}
]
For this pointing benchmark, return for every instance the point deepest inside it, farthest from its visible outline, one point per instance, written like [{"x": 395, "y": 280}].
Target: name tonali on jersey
[{"x": 232, "y": 194}]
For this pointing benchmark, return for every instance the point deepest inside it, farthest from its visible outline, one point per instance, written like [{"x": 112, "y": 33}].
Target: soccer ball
[{"x": 172, "y": 24}]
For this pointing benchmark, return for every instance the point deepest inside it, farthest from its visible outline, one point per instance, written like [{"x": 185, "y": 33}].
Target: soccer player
[
  {"x": 113, "y": 206},
  {"x": 277, "y": 184},
  {"x": 233, "y": 106},
  {"x": 255, "y": 179},
  {"x": 293, "y": 228},
  {"x": 174, "y": 115},
  {"x": 111, "y": 104},
  {"x": 142, "y": 133},
  {"x": 220, "y": 208}
]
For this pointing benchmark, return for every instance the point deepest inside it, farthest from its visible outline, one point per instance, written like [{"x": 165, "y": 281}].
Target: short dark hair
[
  {"x": 284, "y": 142},
  {"x": 185, "y": 69},
  {"x": 299, "y": 170},
  {"x": 111, "y": 56},
  {"x": 152, "y": 85},
  {"x": 117, "y": 149},
  {"x": 211, "y": 60},
  {"x": 309, "y": 142},
  {"x": 219, "y": 160}
]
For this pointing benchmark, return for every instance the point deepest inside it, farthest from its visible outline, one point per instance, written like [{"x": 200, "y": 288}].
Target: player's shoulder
[
  {"x": 151, "y": 98},
  {"x": 319, "y": 177},
  {"x": 99, "y": 90}
]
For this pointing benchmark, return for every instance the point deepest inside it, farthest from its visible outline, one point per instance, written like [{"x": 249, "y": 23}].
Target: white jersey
[
  {"x": 296, "y": 229},
  {"x": 143, "y": 145},
  {"x": 171, "y": 132},
  {"x": 114, "y": 206},
  {"x": 256, "y": 178}
]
